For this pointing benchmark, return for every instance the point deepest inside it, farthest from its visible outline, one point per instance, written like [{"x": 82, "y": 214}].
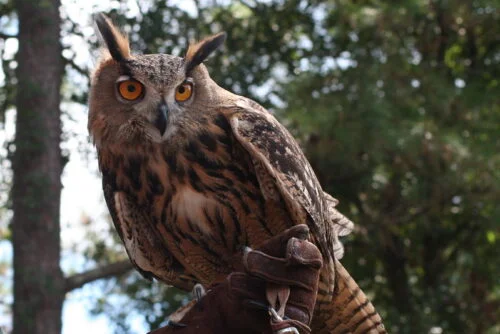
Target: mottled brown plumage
[{"x": 190, "y": 182}]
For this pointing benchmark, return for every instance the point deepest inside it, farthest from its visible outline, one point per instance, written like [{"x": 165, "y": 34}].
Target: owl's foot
[{"x": 198, "y": 292}]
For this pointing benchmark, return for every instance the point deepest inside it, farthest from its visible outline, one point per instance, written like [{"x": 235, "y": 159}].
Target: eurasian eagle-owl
[{"x": 192, "y": 173}]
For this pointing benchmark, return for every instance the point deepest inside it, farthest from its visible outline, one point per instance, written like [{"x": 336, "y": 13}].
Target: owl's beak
[{"x": 161, "y": 118}]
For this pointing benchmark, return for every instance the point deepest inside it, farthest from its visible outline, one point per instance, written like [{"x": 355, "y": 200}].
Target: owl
[{"x": 193, "y": 173}]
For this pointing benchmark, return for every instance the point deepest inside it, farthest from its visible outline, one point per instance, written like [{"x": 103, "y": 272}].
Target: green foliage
[{"x": 406, "y": 135}]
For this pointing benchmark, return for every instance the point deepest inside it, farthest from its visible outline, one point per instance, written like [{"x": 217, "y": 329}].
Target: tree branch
[
  {"x": 74, "y": 66},
  {"x": 246, "y": 4},
  {"x": 5, "y": 36},
  {"x": 107, "y": 271}
]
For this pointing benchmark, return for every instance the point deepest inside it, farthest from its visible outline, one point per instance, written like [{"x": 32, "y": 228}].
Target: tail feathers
[{"x": 347, "y": 310}]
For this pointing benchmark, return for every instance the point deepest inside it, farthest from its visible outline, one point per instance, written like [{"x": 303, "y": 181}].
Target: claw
[
  {"x": 256, "y": 305},
  {"x": 175, "y": 324},
  {"x": 198, "y": 292}
]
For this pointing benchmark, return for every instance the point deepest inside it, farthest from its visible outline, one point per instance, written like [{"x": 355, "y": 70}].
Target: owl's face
[{"x": 149, "y": 98}]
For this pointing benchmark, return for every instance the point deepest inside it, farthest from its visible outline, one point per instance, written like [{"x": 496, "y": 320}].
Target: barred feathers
[{"x": 221, "y": 174}]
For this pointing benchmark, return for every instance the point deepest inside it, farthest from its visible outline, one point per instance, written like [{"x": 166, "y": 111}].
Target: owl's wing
[
  {"x": 342, "y": 226},
  {"x": 144, "y": 248},
  {"x": 270, "y": 145}
]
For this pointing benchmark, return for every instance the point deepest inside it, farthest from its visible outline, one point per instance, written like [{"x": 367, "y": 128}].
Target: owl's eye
[
  {"x": 184, "y": 91},
  {"x": 130, "y": 89}
]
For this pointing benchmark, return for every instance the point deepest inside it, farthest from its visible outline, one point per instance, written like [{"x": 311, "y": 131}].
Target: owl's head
[{"x": 149, "y": 98}]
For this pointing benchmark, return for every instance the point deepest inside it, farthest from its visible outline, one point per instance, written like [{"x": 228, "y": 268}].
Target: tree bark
[{"x": 37, "y": 166}]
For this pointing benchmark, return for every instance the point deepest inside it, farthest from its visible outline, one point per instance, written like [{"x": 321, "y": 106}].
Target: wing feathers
[
  {"x": 143, "y": 246},
  {"x": 275, "y": 152}
]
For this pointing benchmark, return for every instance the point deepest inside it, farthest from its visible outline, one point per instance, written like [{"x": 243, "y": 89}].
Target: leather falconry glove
[{"x": 274, "y": 293}]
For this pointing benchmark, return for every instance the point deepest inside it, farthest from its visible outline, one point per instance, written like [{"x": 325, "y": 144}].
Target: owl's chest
[
  {"x": 215, "y": 201},
  {"x": 211, "y": 208},
  {"x": 205, "y": 203}
]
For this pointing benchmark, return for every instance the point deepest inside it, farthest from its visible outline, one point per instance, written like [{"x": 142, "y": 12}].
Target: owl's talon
[
  {"x": 256, "y": 305},
  {"x": 175, "y": 324},
  {"x": 198, "y": 292}
]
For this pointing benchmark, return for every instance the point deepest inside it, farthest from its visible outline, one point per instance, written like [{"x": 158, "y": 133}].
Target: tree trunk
[{"x": 37, "y": 167}]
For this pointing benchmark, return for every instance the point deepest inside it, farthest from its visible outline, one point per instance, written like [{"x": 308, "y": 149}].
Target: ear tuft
[
  {"x": 116, "y": 42},
  {"x": 198, "y": 52}
]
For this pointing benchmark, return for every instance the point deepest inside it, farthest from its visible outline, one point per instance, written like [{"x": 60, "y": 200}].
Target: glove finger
[
  {"x": 277, "y": 245},
  {"x": 300, "y": 305},
  {"x": 303, "y": 252},
  {"x": 246, "y": 287}
]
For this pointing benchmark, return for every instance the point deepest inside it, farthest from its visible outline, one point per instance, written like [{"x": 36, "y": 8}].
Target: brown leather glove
[{"x": 283, "y": 273}]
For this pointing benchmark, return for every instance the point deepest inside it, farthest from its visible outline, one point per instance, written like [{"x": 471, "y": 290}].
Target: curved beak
[{"x": 161, "y": 118}]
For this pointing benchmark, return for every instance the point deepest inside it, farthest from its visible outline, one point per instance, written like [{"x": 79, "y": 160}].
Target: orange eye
[
  {"x": 130, "y": 89},
  {"x": 184, "y": 92}
]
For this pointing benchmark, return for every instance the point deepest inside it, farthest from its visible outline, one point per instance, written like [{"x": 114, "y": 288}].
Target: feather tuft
[
  {"x": 198, "y": 52},
  {"x": 117, "y": 43}
]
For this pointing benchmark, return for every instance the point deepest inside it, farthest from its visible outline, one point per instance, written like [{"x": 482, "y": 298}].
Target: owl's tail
[{"x": 346, "y": 309}]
